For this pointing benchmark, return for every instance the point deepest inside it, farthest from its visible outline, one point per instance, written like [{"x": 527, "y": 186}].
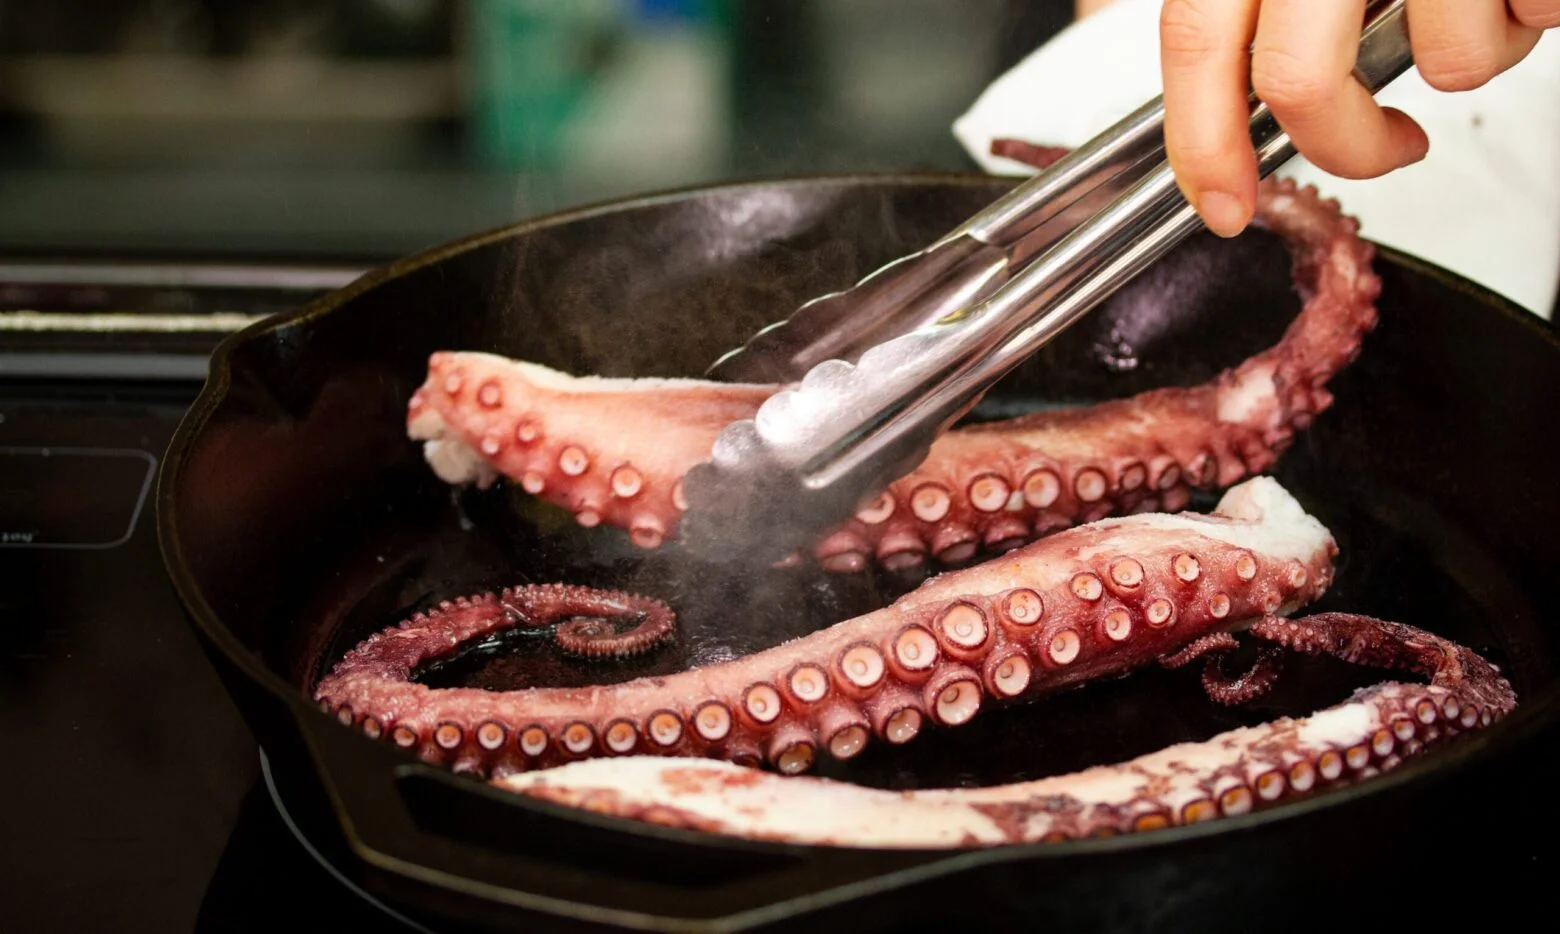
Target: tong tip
[{"x": 737, "y": 509}]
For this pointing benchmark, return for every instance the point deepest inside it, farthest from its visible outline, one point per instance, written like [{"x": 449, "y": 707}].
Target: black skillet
[{"x": 296, "y": 518}]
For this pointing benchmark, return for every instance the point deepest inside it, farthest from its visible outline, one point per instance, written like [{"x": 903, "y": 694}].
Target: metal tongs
[{"x": 878, "y": 371}]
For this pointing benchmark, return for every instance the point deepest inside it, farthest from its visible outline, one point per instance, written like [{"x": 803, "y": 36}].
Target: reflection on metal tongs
[{"x": 878, "y": 371}]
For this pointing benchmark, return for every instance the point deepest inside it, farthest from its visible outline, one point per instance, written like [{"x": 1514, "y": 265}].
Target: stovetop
[{"x": 136, "y": 799}]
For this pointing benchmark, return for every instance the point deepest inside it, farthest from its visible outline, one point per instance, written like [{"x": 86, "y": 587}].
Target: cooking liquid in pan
[{"x": 1403, "y": 558}]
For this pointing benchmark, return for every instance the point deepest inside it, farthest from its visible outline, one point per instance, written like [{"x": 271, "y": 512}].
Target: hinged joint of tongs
[{"x": 890, "y": 364}]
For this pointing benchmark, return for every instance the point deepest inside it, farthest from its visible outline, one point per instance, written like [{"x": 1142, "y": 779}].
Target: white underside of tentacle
[
  {"x": 1231, "y": 773},
  {"x": 451, "y": 458}
]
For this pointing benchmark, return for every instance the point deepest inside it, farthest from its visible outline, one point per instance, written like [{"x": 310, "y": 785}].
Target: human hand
[{"x": 1299, "y": 58}]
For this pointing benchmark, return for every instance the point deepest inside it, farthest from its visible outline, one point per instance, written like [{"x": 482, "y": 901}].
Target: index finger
[
  {"x": 1205, "y": 62},
  {"x": 1302, "y": 66}
]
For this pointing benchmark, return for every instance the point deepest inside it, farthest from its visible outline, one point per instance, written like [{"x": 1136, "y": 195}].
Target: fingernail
[
  {"x": 1223, "y": 213},
  {"x": 1412, "y": 141}
]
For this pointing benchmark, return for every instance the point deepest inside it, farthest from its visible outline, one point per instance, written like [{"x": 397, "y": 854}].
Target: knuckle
[
  {"x": 1289, "y": 83},
  {"x": 1462, "y": 66},
  {"x": 1203, "y": 163},
  {"x": 1185, "y": 29}
]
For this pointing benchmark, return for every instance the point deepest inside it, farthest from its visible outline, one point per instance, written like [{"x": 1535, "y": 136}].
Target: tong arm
[{"x": 961, "y": 269}]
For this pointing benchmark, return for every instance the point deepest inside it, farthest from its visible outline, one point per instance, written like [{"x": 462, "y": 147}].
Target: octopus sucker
[
  {"x": 1008, "y": 675},
  {"x": 843, "y": 728},
  {"x": 860, "y": 670},
  {"x": 1234, "y": 773},
  {"x": 847, "y": 742},
  {"x": 614, "y": 451},
  {"x": 896, "y": 714},
  {"x": 956, "y": 645}
]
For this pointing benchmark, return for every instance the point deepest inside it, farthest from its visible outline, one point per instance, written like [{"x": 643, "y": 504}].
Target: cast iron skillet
[{"x": 296, "y": 518}]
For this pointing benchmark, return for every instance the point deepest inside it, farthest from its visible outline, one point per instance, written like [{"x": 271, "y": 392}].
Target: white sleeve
[{"x": 1485, "y": 203}]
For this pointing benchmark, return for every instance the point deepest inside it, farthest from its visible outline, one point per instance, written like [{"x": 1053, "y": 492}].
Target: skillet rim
[{"x": 1531, "y": 714}]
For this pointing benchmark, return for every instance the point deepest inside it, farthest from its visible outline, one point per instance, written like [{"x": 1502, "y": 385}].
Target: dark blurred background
[{"x": 379, "y": 127}]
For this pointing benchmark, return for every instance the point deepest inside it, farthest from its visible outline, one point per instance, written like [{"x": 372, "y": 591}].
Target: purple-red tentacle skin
[
  {"x": 394, "y": 655},
  {"x": 588, "y": 616},
  {"x": 1246, "y": 687},
  {"x": 1213, "y": 644},
  {"x": 1089, "y": 602},
  {"x": 614, "y": 451},
  {"x": 1233, "y": 773},
  {"x": 599, "y": 638},
  {"x": 1221, "y": 688}
]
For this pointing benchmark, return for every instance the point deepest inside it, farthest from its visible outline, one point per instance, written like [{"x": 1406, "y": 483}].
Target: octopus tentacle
[
  {"x": 400, "y": 651},
  {"x": 1040, "y": 157},
  {"x": 1234, "y": 773},
  {"x": 1213, "y": 644},
  {"x": 1088, "y": 602},
  {"x": 1025, "y": 152},
  {"x": 1221, "y": 688},
  {"x": 614, "y": 451},
  {"x": 609, "y": 450},
  {"x": 598, "y": 638},
  {"x": 1365, "y": 640},
  {"x": 587, "y": 629},
  {"x": 1247, "y": 686}
]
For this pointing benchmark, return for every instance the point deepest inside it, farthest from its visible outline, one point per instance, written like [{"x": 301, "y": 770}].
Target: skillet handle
[{"x": 426, "y": 823}]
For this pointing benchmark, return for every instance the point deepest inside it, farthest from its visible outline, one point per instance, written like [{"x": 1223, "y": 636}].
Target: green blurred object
[
  {"x": 534, "y": 65},
  {"x": 531, "y": 65}
]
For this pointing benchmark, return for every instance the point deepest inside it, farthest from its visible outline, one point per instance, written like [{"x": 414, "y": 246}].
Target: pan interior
[{"x": 345, "y": 530}]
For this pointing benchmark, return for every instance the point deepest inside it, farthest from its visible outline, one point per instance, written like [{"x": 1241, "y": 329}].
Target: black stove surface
[{"x": 136, "y": 799}]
